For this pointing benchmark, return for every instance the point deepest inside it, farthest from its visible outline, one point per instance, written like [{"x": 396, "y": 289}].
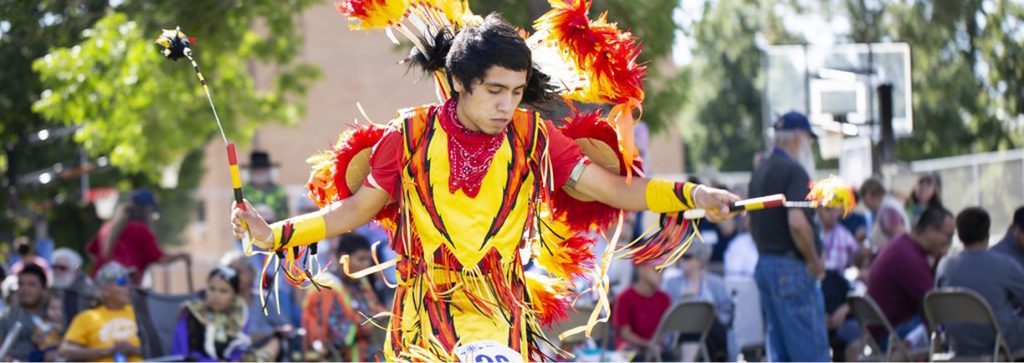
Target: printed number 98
[{"x": 487, "y": 359}]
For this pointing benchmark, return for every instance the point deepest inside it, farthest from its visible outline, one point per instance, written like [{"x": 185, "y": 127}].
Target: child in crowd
[{"x": 49, "y": 332}]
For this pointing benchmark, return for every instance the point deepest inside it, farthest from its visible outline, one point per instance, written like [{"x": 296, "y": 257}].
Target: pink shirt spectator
[{"x": 839, "y": 248}]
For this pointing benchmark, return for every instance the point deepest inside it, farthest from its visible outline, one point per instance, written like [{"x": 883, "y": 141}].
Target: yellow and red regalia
[
  {"x": 460, "y": 271},
  {"x": 467, "y": 210}
]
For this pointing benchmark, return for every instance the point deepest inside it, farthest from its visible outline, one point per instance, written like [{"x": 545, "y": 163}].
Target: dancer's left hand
[{"x": 715, "y": 201}]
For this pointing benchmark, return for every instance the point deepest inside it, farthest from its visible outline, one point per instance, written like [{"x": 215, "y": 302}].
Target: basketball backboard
[{"x": 835, "y": 86}]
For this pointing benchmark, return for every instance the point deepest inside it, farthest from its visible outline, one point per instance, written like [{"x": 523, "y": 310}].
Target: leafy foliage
[{"x": 92, "y": 63}]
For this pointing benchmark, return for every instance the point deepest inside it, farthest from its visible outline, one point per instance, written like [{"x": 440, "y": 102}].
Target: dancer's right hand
[{"x": 259, "y": 230}]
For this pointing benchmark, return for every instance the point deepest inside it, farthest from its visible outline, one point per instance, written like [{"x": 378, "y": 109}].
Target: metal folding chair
[
  {"x": 946, "y": 306},
  {"x": 688, "y": 317},
  {"x": 157, "y": 316}
]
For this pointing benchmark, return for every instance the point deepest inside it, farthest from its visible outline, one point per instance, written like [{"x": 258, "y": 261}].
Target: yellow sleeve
[
  {"x": 664, "y": 196},
  {"x": 78, "y": 331}
]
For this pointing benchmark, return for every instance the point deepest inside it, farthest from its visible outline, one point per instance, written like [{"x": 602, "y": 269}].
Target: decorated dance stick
[
  {"x": 828, "y": 192},
  {"x": 175, "y": 45}
]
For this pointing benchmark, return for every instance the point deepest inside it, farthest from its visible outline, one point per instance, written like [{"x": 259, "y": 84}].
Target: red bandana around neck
[{"x": 469, "y": 152}]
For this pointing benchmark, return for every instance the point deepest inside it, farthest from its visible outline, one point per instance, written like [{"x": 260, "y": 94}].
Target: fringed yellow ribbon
[
  {"x": 601, "y": 287},
  {"x": 343, "y": 262}
]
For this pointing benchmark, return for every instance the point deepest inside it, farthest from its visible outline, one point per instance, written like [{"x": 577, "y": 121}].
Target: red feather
[
  {"x": 675, "y": 230},
  {"x": 327, "y": 181},
  {"x": 579, "y": 249},
  {"x": 606, "y": 54},
  {"x": 356, "y": 8},
  {"x": 550, "y": 299},
  {"x": 580, "y": 215}
]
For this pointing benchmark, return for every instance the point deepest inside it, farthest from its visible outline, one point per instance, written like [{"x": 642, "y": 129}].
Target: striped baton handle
[{"x": 770, "y": 201}]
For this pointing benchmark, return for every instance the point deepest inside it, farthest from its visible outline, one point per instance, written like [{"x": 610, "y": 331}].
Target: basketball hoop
[{"x": 105, "y": 201}]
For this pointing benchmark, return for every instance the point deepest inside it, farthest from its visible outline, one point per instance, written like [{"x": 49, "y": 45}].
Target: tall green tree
[
  {"x": 93, "y": 64},
  {"x": 650, "y": 21},
  {"x": 722, "y": 121},
  {"x": 967, "y": 83},
  {"x": 145, "y": 111}
]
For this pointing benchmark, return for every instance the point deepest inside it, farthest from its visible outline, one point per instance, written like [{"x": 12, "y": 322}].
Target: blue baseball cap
[
  {"x": 144, "y": 197},
  {"x": 794, "y": 121}
]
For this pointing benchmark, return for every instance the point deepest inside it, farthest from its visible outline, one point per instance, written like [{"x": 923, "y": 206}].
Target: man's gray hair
[
  {"x": 785, "y": 137},
  {"x": 73, "y": 257}
]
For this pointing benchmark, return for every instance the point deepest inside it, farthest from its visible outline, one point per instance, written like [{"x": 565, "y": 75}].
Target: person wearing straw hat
[{"x": 262, "y": 190}]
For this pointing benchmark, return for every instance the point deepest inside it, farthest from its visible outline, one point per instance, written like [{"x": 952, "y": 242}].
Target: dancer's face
[{"x": 489, "y": 106}]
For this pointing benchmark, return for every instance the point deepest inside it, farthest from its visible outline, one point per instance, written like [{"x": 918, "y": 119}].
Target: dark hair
[
  {"x": 33, "y": 269},
  {"x": 1018, "y": 219},
  {"x": 872, "y": 187},
  {"x": 933, "y": 217},
  {"x": 972, "y": 225},
  {"x": 351, "y": 243},
  {"x": 228, "y": 274},
  {"x": 125, "y": 213},
  {"x": 936, "y": 200},
  {"x": 468, "y": 54}
]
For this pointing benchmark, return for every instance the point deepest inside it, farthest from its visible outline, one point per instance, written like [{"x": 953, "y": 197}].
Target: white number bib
[{"x": 487, "y": 351}]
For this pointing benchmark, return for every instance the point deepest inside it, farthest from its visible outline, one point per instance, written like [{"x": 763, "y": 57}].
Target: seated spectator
[
  {"x": 27, "y": 255},
  {"x": 840, "y": 250},
  {"x": 741, "y": 256},
  {"x": 869, "y": 198},
  {"x": 27, "y": 307},
  {"x": 109, "y": 331},
  {"x": 839, "y": 247},
  {"x": 213, "y": 329},
  {"x": 996, "y": 277},
  {"x": 857, "y": 224},
  {"x": 72, "y": 286},
  {"x": 696, "y": 284},
  {"x": 334, "y": 317},
  {"x": 727, "y": 230},
  {"x": 3, "y": 291},
  {"x": 49, "y": 332},
  {"x": 891, "y": 223},
  {"x": 7, "y": 288},
  {"x": 638, "y": 310},
  {"x": 927, "y": 194},
  {"x": 67, "y": 271},
  {"x": 265, "y": 329},
  {"x": 1012, "y": 244},
  {"x": 901, "y": 275}
]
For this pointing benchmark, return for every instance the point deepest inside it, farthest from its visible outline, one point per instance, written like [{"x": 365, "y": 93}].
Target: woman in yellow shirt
[{"x": 108, "y": 332}]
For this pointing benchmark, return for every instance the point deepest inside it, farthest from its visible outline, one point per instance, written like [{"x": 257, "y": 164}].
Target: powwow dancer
[{"x": 466, "y": 184}]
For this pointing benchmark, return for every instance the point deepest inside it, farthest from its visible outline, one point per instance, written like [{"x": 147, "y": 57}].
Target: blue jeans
[{"x": 794, "y": 310}]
